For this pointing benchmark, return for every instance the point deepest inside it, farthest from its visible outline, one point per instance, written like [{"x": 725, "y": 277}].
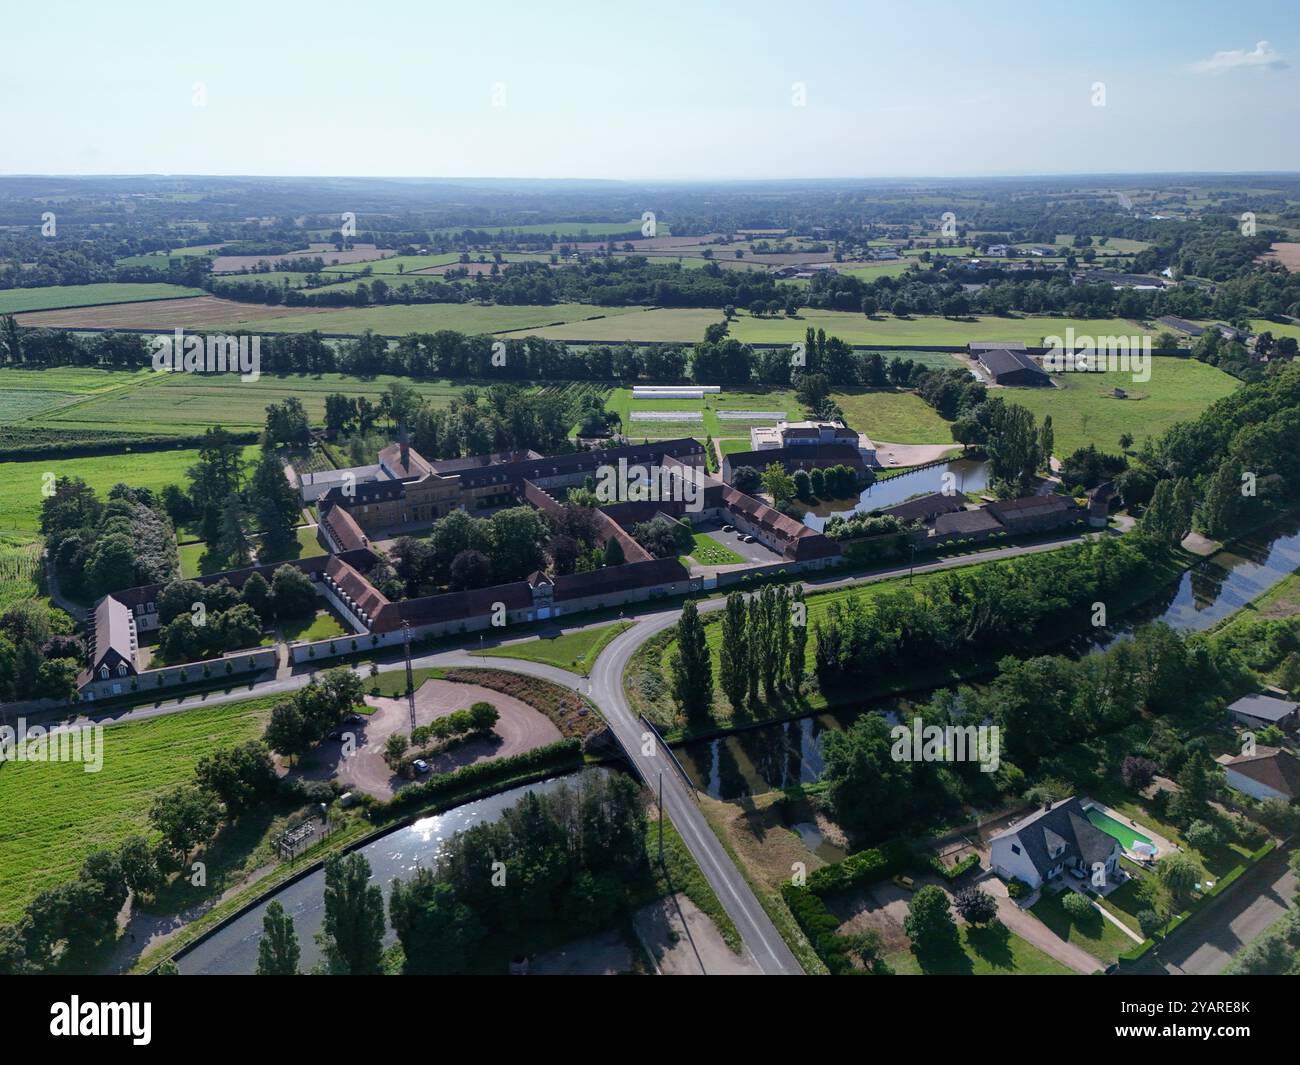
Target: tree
[
  {"x": 798, "y": 637},
  {"x": 286, "y": 731},
  {"x": 746, "y": 479},
  {"x": 395, "y": 749},
  {"x": 1222, "y": 501},
  {"x": 469, "y": 570},
  {"x": 353, "y": 934},
  {"x": 778, "y": 484},
  {"x": 614, "y": 555},
  {"x": 1077, "y": 907},
  {"x": 691, "y": 666},
  {"x": 275, "y": 503},
  {"x": 1013, "y": 446},
  {"x": 929, "y": 924},
  {"x": 437, "y": 932},
  {"x": 518, "y": 543},
  {"x": 185, "y": 817},
  {"x": 256, "y": 593},
  {"x": 292, "y": 593},
  {"x": 239, "y": 776},
  {"x": 975, "y": 905},
  {"x": 277, "y": 950},
  {"x": 1125, "y": 440},
  {"x": 232, "y": 544},
  {"x": 1046, "y": 440},
  {"x": 1137, "y": 772},
  {"x": 733, "y": 652},
  {"x": 1202, "y": 835},
  {"x": 139, "y": 866},
  {"x": 1180, "y": 873}
]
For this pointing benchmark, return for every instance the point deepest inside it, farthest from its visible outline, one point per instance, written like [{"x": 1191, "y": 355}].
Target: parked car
[
  {"x": 905, "y": 882},
  {"x": 728, "y": 528},
  {"x": 420, "y": 765},
  {"x": 354, "y": 719},
  {"x": 748, "y": 540},
  {"x": 337, "y": 734}
]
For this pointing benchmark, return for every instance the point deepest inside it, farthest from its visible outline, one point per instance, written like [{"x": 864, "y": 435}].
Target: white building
[
  {"x": 1045, "y": 844},
  {"x": 1269, "y": 773}
]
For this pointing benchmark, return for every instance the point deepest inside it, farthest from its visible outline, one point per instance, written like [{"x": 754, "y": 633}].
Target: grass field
[
  {"x": 732, "y": 432},
  {"x": 896, "y": 417},
  {"x": 159, "y": 259},
  {"x": 55, "y": 813},
  {"x": 1085, "y": 412},
  {"x": 322, "y": 626},
  {"x": 398, "y": 320},
  {"x": 708, "y": 552},
  {"x": 52, "y": 296},
  {"x": 19, "y": 565},
  {"x": 187, "y": 403},
  {"x": 681, "y": 325},
  {"x": 21, "y": 482},
  {"x": 987, "y": 951},
  {"x": 1094, "y": 934},
  {"x": 574, "y": 651}
]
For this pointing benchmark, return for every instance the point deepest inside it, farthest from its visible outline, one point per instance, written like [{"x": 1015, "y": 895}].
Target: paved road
[
  {"x": 1205, "y": 945},
  {"x": 605, "y": 688}
]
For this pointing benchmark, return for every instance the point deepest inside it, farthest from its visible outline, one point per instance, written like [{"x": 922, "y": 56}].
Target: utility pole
[
  {"x": 661, "y": 817},
  {"x": 410, "y": 676}
]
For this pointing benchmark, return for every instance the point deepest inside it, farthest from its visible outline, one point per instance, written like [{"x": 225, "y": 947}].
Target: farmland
[
  {"x": 21, "y": 482},
  {"x": 51, "y": 296},
  {"x": 19, "y": 565},
  {"x": 896, "y": 417},
  {"x": 56, "y": 813},
  {"x": 196, "y": 312},
  {"x": 678, "y": 325},
  {"x": 1084, "y": 411}
]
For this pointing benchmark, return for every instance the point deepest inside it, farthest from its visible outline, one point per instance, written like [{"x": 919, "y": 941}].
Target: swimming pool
[{"x": 1126, "y": 834}]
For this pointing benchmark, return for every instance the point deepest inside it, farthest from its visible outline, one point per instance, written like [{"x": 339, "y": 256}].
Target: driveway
[
  {"x": 1030, "y": 928},
  {"x": 1206, "y": 944}
]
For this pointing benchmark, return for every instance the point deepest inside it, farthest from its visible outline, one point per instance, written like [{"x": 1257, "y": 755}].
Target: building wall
[
  {"x": 147, "y": 682},
  {"x": 1008, "y": 864},
  {"x": 1250, "y": 786}
]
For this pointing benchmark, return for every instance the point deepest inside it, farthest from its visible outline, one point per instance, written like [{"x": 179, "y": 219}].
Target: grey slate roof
[
  {"x": 1064, "y": 823},
  {"x": 1264, "y": 707}
]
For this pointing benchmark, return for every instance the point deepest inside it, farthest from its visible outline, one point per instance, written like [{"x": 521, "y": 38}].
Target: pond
[
  {"x": 969, "y": 475},
  {"x": 233, "y": 949}
]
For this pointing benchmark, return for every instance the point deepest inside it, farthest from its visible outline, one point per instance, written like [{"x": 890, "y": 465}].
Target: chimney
[{"x": 1047, "y": 805}]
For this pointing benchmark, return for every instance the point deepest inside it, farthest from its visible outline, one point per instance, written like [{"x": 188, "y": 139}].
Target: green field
[
  {"x": 322, "y": 626},
  {"x": 50, "y": 297},
  {"x": 732, "y": 432},
  {"x": 856, "y": 328},
  {"x": 987, "y": 951},
  {"x": 681, "y": 325},
  {"x": 55, "y": 813},
  {"x": 1084, "y": 411},
  {"x": 570, "y": 230},
  {"x": 708, "y": 552},
  {"x": 159, "y": 259},
  {"x": 896, "y": 417},
  {"x": 574, "y": 651},
  {"x": 26, "y": 394},
  {"x": 1278, "y": 329},
  {"x": 21, "y": 482},
  {"x": 400, "y": 319},
  {"x": 187, "y": 403},
  {"x": 1094, "y": 934},
  {"x": 19, "y": 565}
]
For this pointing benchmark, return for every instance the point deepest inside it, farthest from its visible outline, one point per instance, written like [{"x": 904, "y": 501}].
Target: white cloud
[{"x": 1263, "y": 55}]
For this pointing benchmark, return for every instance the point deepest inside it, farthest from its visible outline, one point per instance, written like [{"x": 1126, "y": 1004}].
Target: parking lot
[{"x": 751, "y": 553}]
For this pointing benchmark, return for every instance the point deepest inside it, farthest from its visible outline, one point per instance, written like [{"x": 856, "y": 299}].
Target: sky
[{"x": 675, "y": 90}]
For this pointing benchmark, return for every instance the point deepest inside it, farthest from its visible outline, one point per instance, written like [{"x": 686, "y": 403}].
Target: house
[
  {"x": 1269, "y": 773},
  {"x": 1259, "y": 711},
  {"x": 1013, "y": 369},
  {"x": 925, "y": 508},
  {"x": 113, "y": 638},
  {"x": 1056, "y": 838},
  {"x": 998, "y": 249},
  {"x": 1141, "y": 282},
  {"x": 1035, "y": 513},
  {"x": 812, "y": 434}
]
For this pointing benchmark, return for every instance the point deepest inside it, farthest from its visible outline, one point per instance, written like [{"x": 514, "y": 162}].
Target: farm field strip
[{"x": 14, "y": 300}]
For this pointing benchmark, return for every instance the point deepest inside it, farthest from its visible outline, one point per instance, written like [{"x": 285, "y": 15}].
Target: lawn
[
  {"x": 400, "y": 319},
  {"x": 986, "y": 951},
  {"x": 1094, "y": 934},
  {"x": 321, "y": 626},
  {"x": 1084, "y": 411},
  {"x": 21, "y": 481},
  {"x": 574, "y": 651},
  {"x": 55, "y": 813},
  {"x": 896, "y": 417},
  {"x": 305, "y": 545},
  {"x": 708, "y": 552},
  {"x": 51, "y": 297},
  {"x": 679, "y": 324}
]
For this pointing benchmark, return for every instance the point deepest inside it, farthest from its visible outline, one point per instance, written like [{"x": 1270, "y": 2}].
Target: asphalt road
[{"x": 605, "y": 688}]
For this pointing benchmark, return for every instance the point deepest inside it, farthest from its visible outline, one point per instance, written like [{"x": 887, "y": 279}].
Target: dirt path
[{"x": 893, "y": 455}]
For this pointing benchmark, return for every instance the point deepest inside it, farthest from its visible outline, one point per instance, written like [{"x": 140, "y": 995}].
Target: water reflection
[
  {"x": 784, "y": 755},
  {"x": 233, "y": 950},
  {"x": 971, "y": 476}
]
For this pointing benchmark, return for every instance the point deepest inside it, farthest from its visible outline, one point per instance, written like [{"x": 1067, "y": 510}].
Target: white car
[
  {"x": 420, "y": 766},
  {"x": 748, "y": 540}
]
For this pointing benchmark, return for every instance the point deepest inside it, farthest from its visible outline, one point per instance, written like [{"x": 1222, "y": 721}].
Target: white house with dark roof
[
  {"x": 114, "y": 640},
  {"x": 1045, "y": 844},
  {"x": 1269, "y": 773}
]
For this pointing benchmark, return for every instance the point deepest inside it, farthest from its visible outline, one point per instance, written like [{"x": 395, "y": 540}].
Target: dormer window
[
  {"x": 121, "y": 669},
  {"x": 103, "y": 672}
]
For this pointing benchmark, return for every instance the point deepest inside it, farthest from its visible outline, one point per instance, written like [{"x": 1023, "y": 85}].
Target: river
[
  {"x": 232, "y": 950},
  {"x": 790, "y": 753},
  {"x": 969, "y": 475}
]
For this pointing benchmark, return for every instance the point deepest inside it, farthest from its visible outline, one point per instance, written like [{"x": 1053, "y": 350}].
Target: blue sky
[{"x": 673, "y": 90}]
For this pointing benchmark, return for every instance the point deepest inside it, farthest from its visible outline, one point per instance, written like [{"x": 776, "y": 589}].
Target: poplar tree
[{"x": 734, "y": 653}]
